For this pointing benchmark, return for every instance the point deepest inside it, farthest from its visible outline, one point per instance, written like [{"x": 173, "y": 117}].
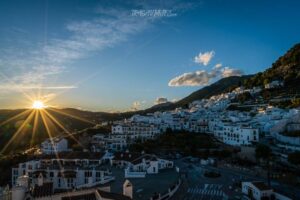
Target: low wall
[
  {"x": 105, "y": 180},
  {"x": 129, "y": 174},
  {"x": 288, "y": 139}
]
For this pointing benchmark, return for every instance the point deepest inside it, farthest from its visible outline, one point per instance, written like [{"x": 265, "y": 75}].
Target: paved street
[
  {"x": 196, "y": 186},
  {"x": 205, "y": 191},
  {"x": 144, "y": 188}
]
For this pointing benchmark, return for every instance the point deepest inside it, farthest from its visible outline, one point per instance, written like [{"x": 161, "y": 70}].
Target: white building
[
  {"x": 66, "y": 171},
  {"x": 286, "y": 133},
  {"x": 258, "y": 191},
  {"x": 54, "y": 145},
  {"x": 111, "y": 142},
  {"x": 274, "y": 84},
  {"x": 236, "y": 134},
  {"x": 133, "y": 131},
  {"x": 138, "y": 165}
]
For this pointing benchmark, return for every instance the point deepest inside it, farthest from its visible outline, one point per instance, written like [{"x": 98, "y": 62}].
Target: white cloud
[
  {"x": 198, "y": 78},
  {"x": 202, "y": 77},
  {"x": 42, "y": 62},
  {"x": 218, "y": 66},
  {"x": 136, "y": 105},
  {"x": 204, "y": 58},
  {"x": 160, "y": 100},
  {"x": 227, "y": 71}
]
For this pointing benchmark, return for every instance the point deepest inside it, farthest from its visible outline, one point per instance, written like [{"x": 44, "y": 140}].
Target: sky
[{"x": 117, "y": 56}]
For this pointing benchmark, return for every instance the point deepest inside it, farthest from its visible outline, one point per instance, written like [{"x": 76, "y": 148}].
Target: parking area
[
  {"x": 146, "y": 187},
  {"x": 205, "y": 191},
  {"x": 196, "y": 186}
]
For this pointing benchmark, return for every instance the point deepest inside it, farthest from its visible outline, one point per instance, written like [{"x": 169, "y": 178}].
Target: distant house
[
  {"x": 54, "y": 145},
  {"x": 111, "y": 142},
  {"x": 133, "y": 131},
  {"x": 274, "y": 84},
  {"x": 259, "y": 191},
  {"x": 140, "y": 164}
]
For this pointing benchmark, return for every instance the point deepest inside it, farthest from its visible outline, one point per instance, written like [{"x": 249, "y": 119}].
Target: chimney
[
  {"x": 40, "y": 179},
  {"x": 127, "y": 189}
]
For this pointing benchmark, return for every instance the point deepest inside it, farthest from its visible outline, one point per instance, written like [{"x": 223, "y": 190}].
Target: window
[
  {"x": 59, "y": 182},
  {"x": 87, "y": 173},
  {"x": 98, "y": 174},
  {"x": 70, "y": 182}
]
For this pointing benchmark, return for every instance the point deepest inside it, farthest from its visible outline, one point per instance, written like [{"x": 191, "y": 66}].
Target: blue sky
[{"x": 124, "y": 55}]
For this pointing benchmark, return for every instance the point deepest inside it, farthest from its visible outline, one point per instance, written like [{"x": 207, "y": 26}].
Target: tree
[
  {"x": 294, "y": 158},
  {"x": 296, "y": 102},
  {"x": 264, "y": 152},
  {"x": 246, "y": 96}
]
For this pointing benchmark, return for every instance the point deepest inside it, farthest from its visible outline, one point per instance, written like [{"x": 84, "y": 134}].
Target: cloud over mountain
[
  {"x": 226, "y": 72},
  {"x": 160, "y": 100},
  {"x": 196, "y": 78},
  {"x": 203, "y": 77}
]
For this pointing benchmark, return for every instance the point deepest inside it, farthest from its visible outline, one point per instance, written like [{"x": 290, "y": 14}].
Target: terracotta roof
[
  {"x": 113, "y": 196},
  {"x": 261, "y": 186},
  {"x": 90, "y": 196}
]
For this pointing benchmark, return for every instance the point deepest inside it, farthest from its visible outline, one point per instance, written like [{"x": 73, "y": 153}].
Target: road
[{"x": 196, "y": 186}]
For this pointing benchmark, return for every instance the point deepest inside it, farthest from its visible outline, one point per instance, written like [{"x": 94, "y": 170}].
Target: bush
[{"x": 294, "y": 158}]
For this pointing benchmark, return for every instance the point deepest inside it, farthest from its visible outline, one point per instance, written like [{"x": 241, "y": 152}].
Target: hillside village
[
  {"x": 243, "y": 142},
  {"x": 221, "y": 117}
]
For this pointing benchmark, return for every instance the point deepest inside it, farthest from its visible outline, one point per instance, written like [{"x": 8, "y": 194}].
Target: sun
[{"x": 37, "y": 104}]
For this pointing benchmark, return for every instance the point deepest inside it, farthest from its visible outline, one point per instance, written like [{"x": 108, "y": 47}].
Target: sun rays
[
  {"x": 37, "y": 104},
  {"x": 40, "y": 115}
]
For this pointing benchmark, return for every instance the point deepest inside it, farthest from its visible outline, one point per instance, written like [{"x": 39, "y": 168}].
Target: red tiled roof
[
  {"x": 114, "y": 196},
  {"x": 91, "y": 196}
]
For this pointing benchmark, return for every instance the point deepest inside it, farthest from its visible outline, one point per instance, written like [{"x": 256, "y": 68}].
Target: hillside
[
  {"x": 221, "y": 86},
  {"x": 286, "y": 69}
]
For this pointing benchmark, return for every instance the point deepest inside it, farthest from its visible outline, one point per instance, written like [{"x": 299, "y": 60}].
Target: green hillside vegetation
[
  {"x": 286, "y": 69},
  {"x": 172, "y": 142}
]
